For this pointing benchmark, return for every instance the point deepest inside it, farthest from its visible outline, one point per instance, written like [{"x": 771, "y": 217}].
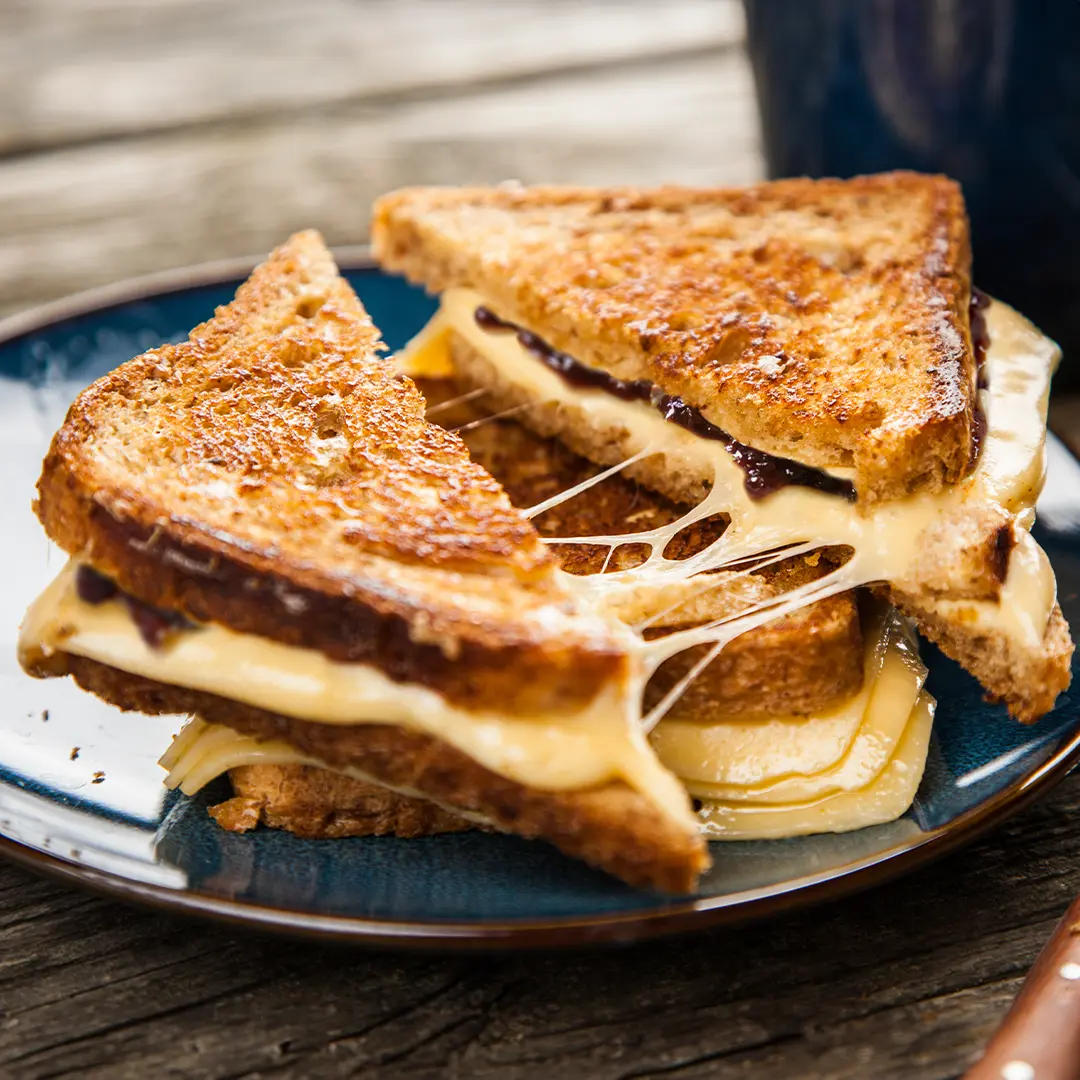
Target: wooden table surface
[{"x": 140, "y": 136}]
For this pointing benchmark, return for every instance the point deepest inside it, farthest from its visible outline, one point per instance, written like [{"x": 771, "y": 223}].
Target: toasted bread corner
[
  {"x": 693, "y": 288},
  {"x": 321, "y": 804},
  {"x": 272, "y": 474}
]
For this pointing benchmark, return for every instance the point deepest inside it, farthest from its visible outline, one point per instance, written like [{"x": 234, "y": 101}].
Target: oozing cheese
[
  {"x": 800, "y": 758},
  {"x": 885, "y": 537},
  {"x": 601, "y": 743},
  {"x": 883, "y": 800},
  {"x": 761, "y": 790}
]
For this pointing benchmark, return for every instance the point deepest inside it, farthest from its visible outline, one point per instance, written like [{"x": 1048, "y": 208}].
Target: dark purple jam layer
[
  {"x": 980, "y": 333},
  {"x": 980, "y": 342},
  {"x": 764, "y": 473},
  {"x": 154, "y": 624}
]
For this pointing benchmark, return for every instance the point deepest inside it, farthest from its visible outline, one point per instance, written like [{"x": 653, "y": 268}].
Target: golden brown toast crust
[
  {"x": 273, "y": 474},
  {"x": 611, "y": 827},
  {"x": 321, "y": 804},
  {"x": 825, "y": 320},
  {"x": 806, "y": 662}
]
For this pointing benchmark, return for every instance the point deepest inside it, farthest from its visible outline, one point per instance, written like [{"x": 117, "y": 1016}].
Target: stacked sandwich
[{"x": 724, "y": 449}]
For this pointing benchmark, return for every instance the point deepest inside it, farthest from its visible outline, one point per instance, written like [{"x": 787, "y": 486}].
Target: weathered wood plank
[
  {"x": 83, "y": 71},
  {"x": 91, "y": 214},
  {"x": 905, "y": 981}
]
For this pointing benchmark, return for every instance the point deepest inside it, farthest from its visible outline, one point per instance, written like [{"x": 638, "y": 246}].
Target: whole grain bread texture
[
  {"x": 610, "y": 826},
  {"x": 824, "y": 320},
  {"x": 274, "y": 475},
  {"x": 322, "y": 804}
]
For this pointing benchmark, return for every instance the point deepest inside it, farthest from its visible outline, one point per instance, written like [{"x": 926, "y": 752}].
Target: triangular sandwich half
[
  {"x": 265, "y": 530},
  {"x": 807, "y": 357}
]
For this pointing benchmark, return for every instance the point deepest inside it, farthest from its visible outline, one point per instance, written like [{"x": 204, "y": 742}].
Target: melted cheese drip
[
  {"x": 883, "y": 800},
  {"x": 870, "y": 779},
  {"x": 885, "y": 537},
  {"x": 800, "y": 758},
  {"x": 602, "y": 743}
]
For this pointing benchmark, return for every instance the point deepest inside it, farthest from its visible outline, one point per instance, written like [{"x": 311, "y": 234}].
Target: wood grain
[
  {"x": 907, "y": 981},
  {"x": 90, "y": 214},
  {"x": 75, "y": 71}
]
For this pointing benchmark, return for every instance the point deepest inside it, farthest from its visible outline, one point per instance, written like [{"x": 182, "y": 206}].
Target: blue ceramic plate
[{"x": 98, "y": 816}]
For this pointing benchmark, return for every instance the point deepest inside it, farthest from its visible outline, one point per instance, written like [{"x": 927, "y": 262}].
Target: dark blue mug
[{"x": 987, "y": 91}]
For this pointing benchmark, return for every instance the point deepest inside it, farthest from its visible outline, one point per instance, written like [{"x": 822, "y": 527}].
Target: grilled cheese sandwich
[
  {"x": 885, "y": 537},
  {"x": 361, "y": 598}
]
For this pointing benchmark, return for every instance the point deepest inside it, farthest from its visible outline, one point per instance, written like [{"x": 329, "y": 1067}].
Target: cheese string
[
  {"x": 577, "y": 489},
  {"x": 450, "y": 403},
  {"x": 732, "y": 548}
]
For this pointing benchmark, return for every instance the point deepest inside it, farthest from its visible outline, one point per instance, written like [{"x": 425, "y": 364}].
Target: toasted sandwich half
[
  {"x": 265, "y": 531},
  {"x": 806, "y": 724},
  {"x": 805, "y": 357}
]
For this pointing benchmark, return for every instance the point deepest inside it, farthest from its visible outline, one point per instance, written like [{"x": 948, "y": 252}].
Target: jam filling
[
  {"x": 980, "y": 342},
  {"x": 763, "y": 473},
  {"x": 980, "y": 333},
  {"x": 154, "y": 624}
]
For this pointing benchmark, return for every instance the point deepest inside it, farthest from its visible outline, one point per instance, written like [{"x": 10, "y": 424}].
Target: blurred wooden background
[{"x": 136, "y": 136}]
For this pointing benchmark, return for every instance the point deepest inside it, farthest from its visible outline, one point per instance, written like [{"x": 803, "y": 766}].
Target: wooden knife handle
[{"x": 1040, "y": 1036}]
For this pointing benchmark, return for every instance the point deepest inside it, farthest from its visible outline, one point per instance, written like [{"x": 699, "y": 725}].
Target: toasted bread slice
[
  {"x": 610, "y": 826},
  {"x": 964, "y": 552},
  {"x": 824, "y": 320},
  {"x": 322, "y": 804},
  {"x": 273, "y": 475}
]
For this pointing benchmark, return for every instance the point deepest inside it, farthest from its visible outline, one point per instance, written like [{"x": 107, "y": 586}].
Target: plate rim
[{"x": 667, "y": 918}]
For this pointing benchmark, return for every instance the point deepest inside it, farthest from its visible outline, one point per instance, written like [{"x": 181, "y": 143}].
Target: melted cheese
[
  {"x": 869, "y": 783},
  {"x": 801, "y": 758},
  {"x": 600, "y": 744},
  {"x": 202, "y": 752},
  {"x": 884, "y": 800},
  {"x": 886, "y": 538}
]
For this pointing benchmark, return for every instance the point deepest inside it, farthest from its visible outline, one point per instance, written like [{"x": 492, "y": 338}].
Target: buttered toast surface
[{"x": 821, "y": 320}]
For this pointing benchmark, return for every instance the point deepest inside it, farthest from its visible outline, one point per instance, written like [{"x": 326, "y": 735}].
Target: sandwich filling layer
[
  {"x": 565, "y": 752},
  {"x": 854, "y": 766},
  {"x": 764, "y": 472},
  {"x": 795, "y": 758},
  {"x": 883, "y": 800}
]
